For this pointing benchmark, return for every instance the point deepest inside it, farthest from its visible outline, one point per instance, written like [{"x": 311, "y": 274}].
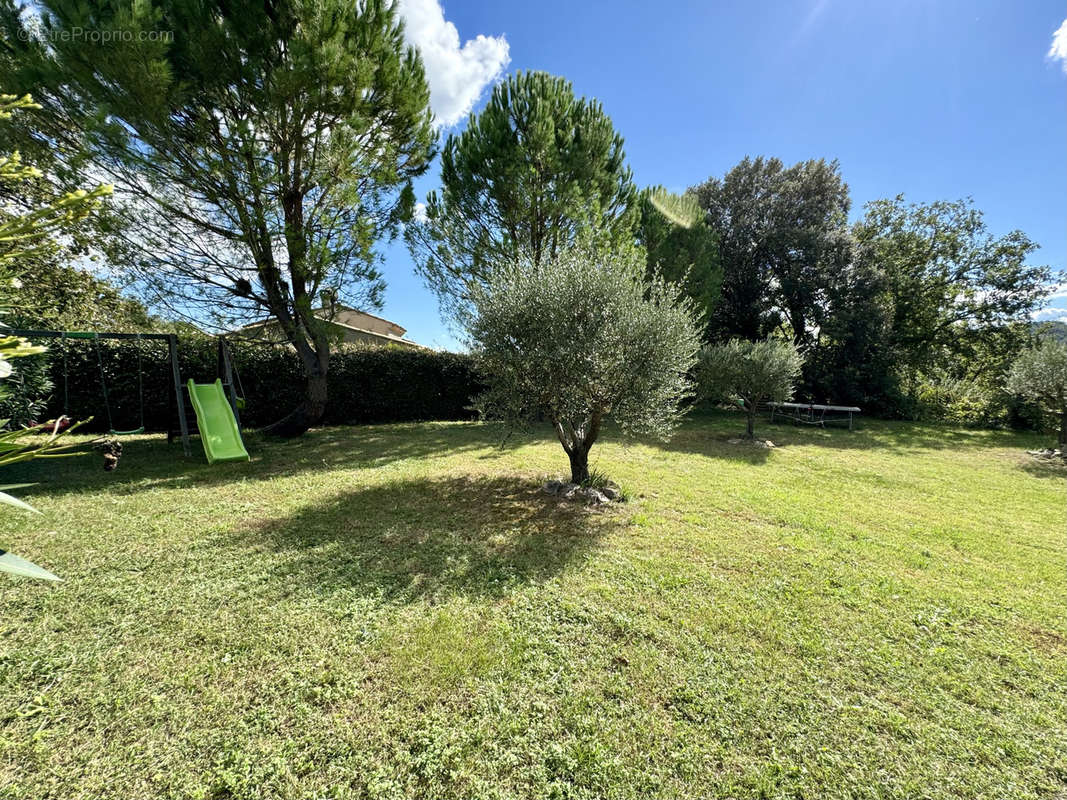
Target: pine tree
[
  {"x": 262, "y": 150},
  {"x": 535, "y": 171}
]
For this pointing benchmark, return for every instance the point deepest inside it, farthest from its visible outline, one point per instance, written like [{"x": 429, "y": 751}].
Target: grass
[{"x": 398, "y": 611}]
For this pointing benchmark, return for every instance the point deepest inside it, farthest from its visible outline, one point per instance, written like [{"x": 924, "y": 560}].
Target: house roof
[
  {"x": 387, "y": 337},
  {"x": 377, "y": 334}
]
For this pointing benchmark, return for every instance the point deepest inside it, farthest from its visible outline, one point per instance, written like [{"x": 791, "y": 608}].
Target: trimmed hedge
[{"x": 366, "y": 385}]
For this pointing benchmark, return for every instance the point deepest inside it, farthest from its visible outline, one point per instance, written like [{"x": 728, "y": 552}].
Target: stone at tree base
[
  {"x": 588, "y": 494},
  {"x": 594, "y": 496},
  {"x": 1046, "y": 453}
]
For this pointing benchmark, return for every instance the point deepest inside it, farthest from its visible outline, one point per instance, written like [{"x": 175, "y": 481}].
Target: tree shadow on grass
[
  {"x": 1042, "y": 467},
  {"x": 471, "y": 536},
  {"x": 149, "y": 462},
  {"x": 708, "y": 433}
]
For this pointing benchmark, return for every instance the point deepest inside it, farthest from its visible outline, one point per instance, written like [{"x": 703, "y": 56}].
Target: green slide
[{"x": 218, "y": 428}]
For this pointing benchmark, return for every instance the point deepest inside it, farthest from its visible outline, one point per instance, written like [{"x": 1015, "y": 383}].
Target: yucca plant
[{"x": 16, "y": 446}]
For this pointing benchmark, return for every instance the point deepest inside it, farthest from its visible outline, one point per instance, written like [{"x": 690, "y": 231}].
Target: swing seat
[{"x": 134, "y": 432}]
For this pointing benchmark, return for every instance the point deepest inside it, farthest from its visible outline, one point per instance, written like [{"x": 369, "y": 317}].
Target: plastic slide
[{"x": 218, "y": 428}]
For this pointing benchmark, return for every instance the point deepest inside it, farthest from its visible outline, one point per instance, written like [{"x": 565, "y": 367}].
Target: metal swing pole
[{"x": 172, "y": 347}]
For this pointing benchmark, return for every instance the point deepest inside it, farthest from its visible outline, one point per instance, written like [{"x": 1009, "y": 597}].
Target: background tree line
[{"x": 913, "y": 309}]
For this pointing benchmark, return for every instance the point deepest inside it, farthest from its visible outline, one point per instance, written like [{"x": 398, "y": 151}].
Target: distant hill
[{"x": 1054, "y": 330}]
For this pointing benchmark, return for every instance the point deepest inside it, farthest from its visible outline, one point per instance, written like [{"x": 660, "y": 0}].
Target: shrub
[
  {"x": 751, "y": 372},
  {"x": 26, "y": 391},
  {"x": 1040, "y": 374},
  {"x": 365, "y": 384},
  {"x": 963, "y": 402}
]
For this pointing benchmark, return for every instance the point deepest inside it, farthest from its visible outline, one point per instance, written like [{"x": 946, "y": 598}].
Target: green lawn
[{"x": 397, "y": 611}]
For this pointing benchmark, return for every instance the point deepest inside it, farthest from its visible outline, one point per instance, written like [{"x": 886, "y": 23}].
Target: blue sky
[{"x": 935, "y": 100}]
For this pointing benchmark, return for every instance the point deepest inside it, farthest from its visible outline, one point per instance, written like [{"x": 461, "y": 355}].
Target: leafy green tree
[
  {"x": 537, "y": 169},
  {"x": 1040, "y": 374},
  {"x": 56, "y": 296},
  {"x": 954, "y": 293},
  {"x": 1056, "y": 330},
  {"x": 848, "y": 362},
  {"x": 261, "y": 154},
  {"x": 783, "y": 240},
  {"x": 581, "y": 337},
  {"x": 681, "y": 247},
  {"x": 750, "y": 372},
  {"x": 48, "y": 291}
]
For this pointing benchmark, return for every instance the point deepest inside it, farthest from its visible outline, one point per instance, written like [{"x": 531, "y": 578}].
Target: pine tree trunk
[
  {"x": 312, "y": 408},
  {"x": 309, "y": 413}
]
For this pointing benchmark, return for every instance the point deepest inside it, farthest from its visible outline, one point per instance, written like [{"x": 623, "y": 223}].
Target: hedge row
[{"x": 365, "y": 384}]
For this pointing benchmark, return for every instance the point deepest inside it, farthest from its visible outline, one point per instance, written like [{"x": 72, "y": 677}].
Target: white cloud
[
  {"x": 1049, "y": 314},
  {"x": 457, "y": 75},
  {"x": 420, "y": 212},
  {"x": 1058, "y": 50}
]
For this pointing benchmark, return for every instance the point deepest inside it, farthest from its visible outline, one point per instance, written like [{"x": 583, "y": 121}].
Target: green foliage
[
  {"x": 850, "y": 364},
  {"x": 15, "y": 347},
  {"x": 582, "y": 337},
  {"x": 16, "y": 447},
  {"x": 957, "y": 400},
  {"x": 1056, "y": 330},
  {"x": 262, "y": 155},
  {"x": 914, "y": 310},
  {"x": 953, "y": 292},
  {"x": 22, "y": 232},
  {"x": 752, "y": 372},
  {"x": 535, "y": 171},
  {"x": 681, "y": 247},
  {"x": 28, "y": 228},
  {"x": 783, "y": 241},
  {"x": 24, "y": 394},
  {"x": 1040, "y": 374},
  {"x": 52, "y": 295}
]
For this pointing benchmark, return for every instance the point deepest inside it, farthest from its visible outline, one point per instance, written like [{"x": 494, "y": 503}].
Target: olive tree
[
  {"x": 751, "y": 372},
  {"x": 1040, "y": 374},
  {"x": 580, "y": 337}
]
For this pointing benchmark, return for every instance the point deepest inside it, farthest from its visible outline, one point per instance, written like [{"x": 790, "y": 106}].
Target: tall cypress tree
[{"x": 681, "y": 248}]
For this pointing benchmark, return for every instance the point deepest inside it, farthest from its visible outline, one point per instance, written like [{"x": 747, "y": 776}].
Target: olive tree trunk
[
  {"x": 577, "y": 441},
  {"x": 579, "y": 465}
]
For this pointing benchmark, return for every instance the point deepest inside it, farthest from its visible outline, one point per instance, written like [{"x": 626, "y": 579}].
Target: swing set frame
[{"x": 172, "y": 347}]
